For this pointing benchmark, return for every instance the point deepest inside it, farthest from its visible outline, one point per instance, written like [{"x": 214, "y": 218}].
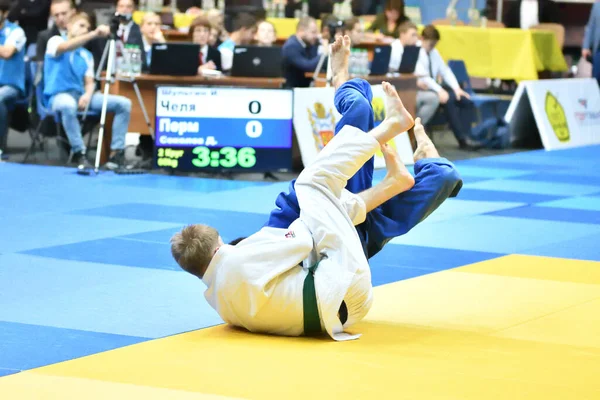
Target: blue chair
[
  {"x": 23, "y": 102},
  {"x": 490, "y": 108},
  {"x": 596, "y": 67},
  {"x": 38, "y": 137},
  {"x": 31, "y": 52}
]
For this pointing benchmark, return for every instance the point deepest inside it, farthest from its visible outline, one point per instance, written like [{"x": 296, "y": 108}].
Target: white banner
[
  {"x": 566, "y": 111},
  {"x": 315, "y": 118}
]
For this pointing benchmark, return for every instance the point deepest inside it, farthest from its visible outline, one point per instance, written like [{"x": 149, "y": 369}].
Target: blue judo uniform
[{"x": 436, "y": 179}]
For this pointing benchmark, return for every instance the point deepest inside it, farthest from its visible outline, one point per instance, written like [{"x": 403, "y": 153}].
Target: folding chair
[
  {"x": 38, "y": 137},
  {"x": 490, "y": 108},
  {"x": 24, "y": 102}
]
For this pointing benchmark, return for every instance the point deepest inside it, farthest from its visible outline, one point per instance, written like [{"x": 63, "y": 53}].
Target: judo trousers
[{"x": 343, "y": 270}]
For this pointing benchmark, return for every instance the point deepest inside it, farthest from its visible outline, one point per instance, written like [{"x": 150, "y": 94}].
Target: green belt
[{"x": 312, "y": 322}]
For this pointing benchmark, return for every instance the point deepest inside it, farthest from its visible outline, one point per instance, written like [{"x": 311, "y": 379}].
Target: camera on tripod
[
  {"x": 117, "y": 20},
  {"x": 336, "y": 27}
]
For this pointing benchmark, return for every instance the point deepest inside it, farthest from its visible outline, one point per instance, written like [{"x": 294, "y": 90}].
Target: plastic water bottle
[
  {"x": 280, "y": 10},
  {"x": 367, "y": 67},
  {"x": 125, "y": 63},
  {"x": 135, "y": 61},
  {"x": 304, "y": 8},
  {"x": 352, "y": 62}
]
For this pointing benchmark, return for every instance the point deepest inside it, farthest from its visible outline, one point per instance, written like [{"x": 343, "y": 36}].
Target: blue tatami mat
[
  {"x": 551, "y": 214},
  {"x": 557, "y": 177},
  {"x": 591, "y": 203},
  {"x": 32, "y": 232},
  {"x": 105, "y": 298},
  {"x": 468, "y": 193},
  {"x": 117, "y": 251},
  {"x": 186, "y": 184},
  {"x": 582, "y": 248},
  {"x": 548, "y": 188},
  {"x": 228, "y": 223},
  {"x": 25, "y": 346},
  {"x": 494, "y": 234},
  {"x": 429, "y": 257}
]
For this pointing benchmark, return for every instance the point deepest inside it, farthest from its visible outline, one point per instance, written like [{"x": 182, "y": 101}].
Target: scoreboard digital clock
[{"x": 215, "y": 128}]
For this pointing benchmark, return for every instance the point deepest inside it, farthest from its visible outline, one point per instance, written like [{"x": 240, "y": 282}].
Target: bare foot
[
  {"x": 425, "y": 147},
  {"x": 340, "y": 53},
  {"x": 397, "y": 118},
  {"x": 397, "y": 174}
]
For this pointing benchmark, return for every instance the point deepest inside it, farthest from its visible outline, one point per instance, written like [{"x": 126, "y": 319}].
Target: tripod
[{"x": 110, "y": 55}]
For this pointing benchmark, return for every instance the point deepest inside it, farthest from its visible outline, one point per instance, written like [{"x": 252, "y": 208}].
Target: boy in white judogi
[{"x": 293, "y": 281}]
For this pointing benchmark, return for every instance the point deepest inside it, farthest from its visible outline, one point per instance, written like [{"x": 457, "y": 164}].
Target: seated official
[
  {"x": 69, "y": 87},
  {"x": 354, "y": 29},
  {"x": 214, "y": 37},
  {"x": 129, "y": 32},
  {"x": 244, "y": 29},
  {"x": 209, "y": 57},
  {"x": 407, "y": 36},
  {"x": 12, "y": 65},
  {"x": 265, "y": 34},
  {"x": 458, "y": 107},
  {"x": 388, "y": 22},
  {"x": 217, "y": 19},
  {"x": 151, "y": 34},
  {"x": 301, "y": 54},
  {"x": 428, "y": 100}
]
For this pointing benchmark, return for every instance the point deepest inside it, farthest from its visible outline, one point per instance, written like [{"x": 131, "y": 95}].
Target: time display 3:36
[{"x": 227, "y": 157}]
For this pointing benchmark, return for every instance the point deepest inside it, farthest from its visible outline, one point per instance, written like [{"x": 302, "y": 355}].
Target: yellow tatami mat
[{"x": 517, "y": 327}]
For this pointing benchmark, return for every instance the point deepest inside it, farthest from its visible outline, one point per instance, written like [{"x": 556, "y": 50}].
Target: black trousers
[{"x": 460, "y": 115}]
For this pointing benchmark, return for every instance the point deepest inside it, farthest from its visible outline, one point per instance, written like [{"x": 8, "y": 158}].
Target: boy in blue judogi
[{"x": 436, "y": 178}]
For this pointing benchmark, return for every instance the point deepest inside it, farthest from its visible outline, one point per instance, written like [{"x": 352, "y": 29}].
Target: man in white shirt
[
  {"x": 527, "y": 13},
  {"x": 427, "y": 101},
  {"x": 293, "y": 281},
  {"x": 459, "y": 109},
  {"x": 151, "y": 34}
]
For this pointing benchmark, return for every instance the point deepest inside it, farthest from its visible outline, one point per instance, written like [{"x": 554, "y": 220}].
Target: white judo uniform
[{"x": 258, "y": 284}]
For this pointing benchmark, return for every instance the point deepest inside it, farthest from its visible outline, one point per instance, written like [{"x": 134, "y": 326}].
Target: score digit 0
[
  {"x": 254, "y": 128},
  {"x": 255, "y": 107}
]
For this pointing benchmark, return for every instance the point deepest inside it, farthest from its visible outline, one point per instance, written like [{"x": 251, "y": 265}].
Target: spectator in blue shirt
[
  {"x": 12, "y": 65},
  {"x": 69, "y": 86}
]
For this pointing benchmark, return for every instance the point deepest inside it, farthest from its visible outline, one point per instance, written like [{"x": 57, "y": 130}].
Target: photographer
[
  {"x": 151, "y": 34},
  {"x": 69, "y": 86},
  {"x": 127, "y": 32}
]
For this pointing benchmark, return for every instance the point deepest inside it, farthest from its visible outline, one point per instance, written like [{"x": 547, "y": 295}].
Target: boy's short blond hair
[
  {"x": 149, "y": 15},
  {"x": 193, "y": 248}
]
